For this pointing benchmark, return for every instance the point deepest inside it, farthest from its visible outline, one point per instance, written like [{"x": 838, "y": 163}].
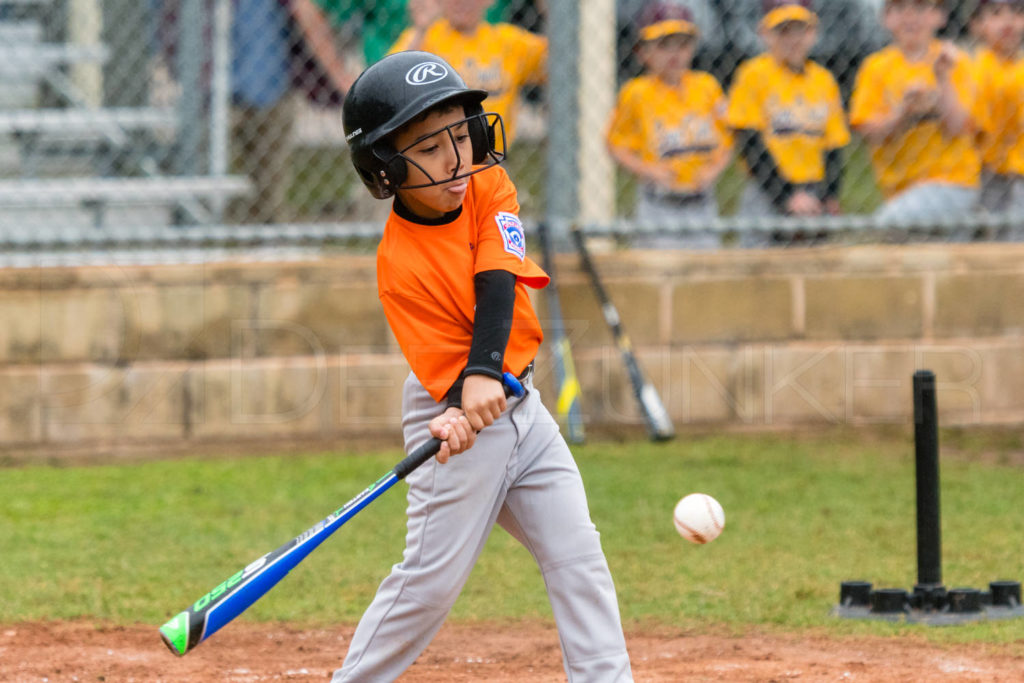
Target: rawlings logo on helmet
[{"x": 426, "y": 73}]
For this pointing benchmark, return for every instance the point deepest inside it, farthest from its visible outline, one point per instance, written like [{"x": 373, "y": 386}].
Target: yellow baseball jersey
[
  {"x": 499, "y": 58},
  {"x": 923, "y": 153},
  {"x": 799, "y": 115},
  {"x": 1000, "y": 105},
  {"x": 682, "y": 124}
]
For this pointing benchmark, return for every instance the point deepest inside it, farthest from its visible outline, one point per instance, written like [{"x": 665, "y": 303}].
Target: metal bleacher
[{"x": 70, "y": 162}]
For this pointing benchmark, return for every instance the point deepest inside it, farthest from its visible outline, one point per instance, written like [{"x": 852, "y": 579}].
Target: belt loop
[{"x": 525, "y": 374}]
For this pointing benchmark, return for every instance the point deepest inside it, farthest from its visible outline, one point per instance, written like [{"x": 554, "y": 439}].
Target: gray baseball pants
[
  {"x": 929, "y": 200},
  {"x": 1002, "y": 193},
  {"x": 691, "y": 222},
  {"x": 521, "y": 475}
]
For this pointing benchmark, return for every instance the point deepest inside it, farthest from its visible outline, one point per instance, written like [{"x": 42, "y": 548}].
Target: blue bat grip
[{"x": 513, "y": 385}]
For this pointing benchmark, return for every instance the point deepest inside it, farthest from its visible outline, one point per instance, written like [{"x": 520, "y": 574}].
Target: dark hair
[
  {"x": 769, "y": 5},
  {"x": 982, "y": 4},
  {"x": 439, "y": 108},
  {"x": 941, "y": 4}
]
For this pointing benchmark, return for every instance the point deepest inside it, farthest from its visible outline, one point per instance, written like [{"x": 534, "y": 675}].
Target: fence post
[{"x": 563, "y": 143}]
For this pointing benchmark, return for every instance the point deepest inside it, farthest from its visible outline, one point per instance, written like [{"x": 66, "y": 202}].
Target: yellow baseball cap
[
  {"x": 778, "y": 12},
  {"x": 937, "y": 3},
  {"x": 660, "y": 19}
]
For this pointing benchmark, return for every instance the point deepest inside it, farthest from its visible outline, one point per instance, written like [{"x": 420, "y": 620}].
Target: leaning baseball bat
[
  {"x": 659, "y": 425},
  {"x": 568, "y": 395},
  {"x": 239, "y": 591}
]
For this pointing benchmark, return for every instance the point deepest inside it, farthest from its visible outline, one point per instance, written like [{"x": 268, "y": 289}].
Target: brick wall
[{"x": 103, "y": 357}]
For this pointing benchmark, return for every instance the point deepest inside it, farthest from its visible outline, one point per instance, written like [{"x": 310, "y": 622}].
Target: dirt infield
[{"x": 81, "y": 651}]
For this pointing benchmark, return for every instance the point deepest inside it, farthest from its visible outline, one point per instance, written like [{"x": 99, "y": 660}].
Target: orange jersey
[
  {"x": 498, "y": 58},
  {"x": 799, "y": 115},
  {"x": 681, "y": 124},
  {"x": 425, "y": 281},
  {"x": 925, "y": 152},
  {"x": 1001, "y": 111}
]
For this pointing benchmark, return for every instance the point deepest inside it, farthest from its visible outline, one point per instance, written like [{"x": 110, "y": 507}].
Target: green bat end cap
[{"x": 175, "y": 634}]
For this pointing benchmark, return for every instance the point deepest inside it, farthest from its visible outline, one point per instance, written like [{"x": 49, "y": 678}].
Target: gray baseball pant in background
[{"x": 929, "y": 201}]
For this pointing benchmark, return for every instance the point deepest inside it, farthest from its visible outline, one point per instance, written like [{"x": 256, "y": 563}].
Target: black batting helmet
[{"x": 393, "y": 92}]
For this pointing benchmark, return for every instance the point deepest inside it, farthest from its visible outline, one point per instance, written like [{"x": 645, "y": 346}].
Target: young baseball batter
[
  {"x": 500, "y": 58},
  {"x": 788, "y": 119},
  {"x": 914, "y": 103},
  {"x": 999, "y": 66},
  {"x": 667, "y": 128},
  {"x": 452, "y": 275}
]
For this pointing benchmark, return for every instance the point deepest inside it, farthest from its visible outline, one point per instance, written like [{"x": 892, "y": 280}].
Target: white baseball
[{"x": 699, "y": 518}]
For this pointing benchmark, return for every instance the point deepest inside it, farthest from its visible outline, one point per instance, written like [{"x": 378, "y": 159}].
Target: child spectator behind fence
[
  {"x": 667, "y": 130},
  {"x": 500, "y": 58},
  {"x": 999, "y": 74},
  {"x": 914, "y": 103},
  {"x": 787, "y": 114}
]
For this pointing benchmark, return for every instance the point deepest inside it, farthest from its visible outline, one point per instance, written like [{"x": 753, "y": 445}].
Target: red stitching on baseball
[
  {"x": 711, "y": 513},
  {"x": 697, "y": 536}
]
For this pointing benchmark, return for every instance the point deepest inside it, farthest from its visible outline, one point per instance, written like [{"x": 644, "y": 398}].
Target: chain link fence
[{"x": 190, "y": 123}]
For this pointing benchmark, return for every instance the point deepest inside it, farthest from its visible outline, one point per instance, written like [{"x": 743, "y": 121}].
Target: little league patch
[{"x": 512, "y": 234}]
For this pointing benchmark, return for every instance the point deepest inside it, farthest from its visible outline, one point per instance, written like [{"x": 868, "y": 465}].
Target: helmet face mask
[
  {"x": 484, "y": 130},
  {"x": 395, "y": 91}
]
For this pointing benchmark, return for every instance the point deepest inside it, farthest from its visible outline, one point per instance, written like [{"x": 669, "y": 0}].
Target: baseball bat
[
  {"x": 238, "y": 592},
  {"x": 659, "y": 425},
  {"x": 567, "y": 406}
]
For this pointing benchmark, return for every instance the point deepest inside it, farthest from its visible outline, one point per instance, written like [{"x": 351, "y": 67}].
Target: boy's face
[
  {"x": 1000, "y": 26},
  {"x": 668, "y": 57},
  {"x": 913, "y": 23},
  {"x": 790, "y": 42},
  {"x": 432, "y": 154},
  {"x": 464, "y": 15}
]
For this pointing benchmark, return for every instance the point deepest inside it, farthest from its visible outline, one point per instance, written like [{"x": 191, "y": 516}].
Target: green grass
[
  {"x": 859, "y": 193},
  {"x": 130, "y": 543}
]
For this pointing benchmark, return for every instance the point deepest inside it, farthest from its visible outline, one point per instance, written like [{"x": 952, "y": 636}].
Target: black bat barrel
[{"x": 926, "y": 447}]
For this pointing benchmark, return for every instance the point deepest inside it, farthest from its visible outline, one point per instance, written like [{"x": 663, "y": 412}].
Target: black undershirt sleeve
[
  {"x": 763, "y": 167},
  {"x": 833, "y": 173},
  {"x": 492, "y": 325}
]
